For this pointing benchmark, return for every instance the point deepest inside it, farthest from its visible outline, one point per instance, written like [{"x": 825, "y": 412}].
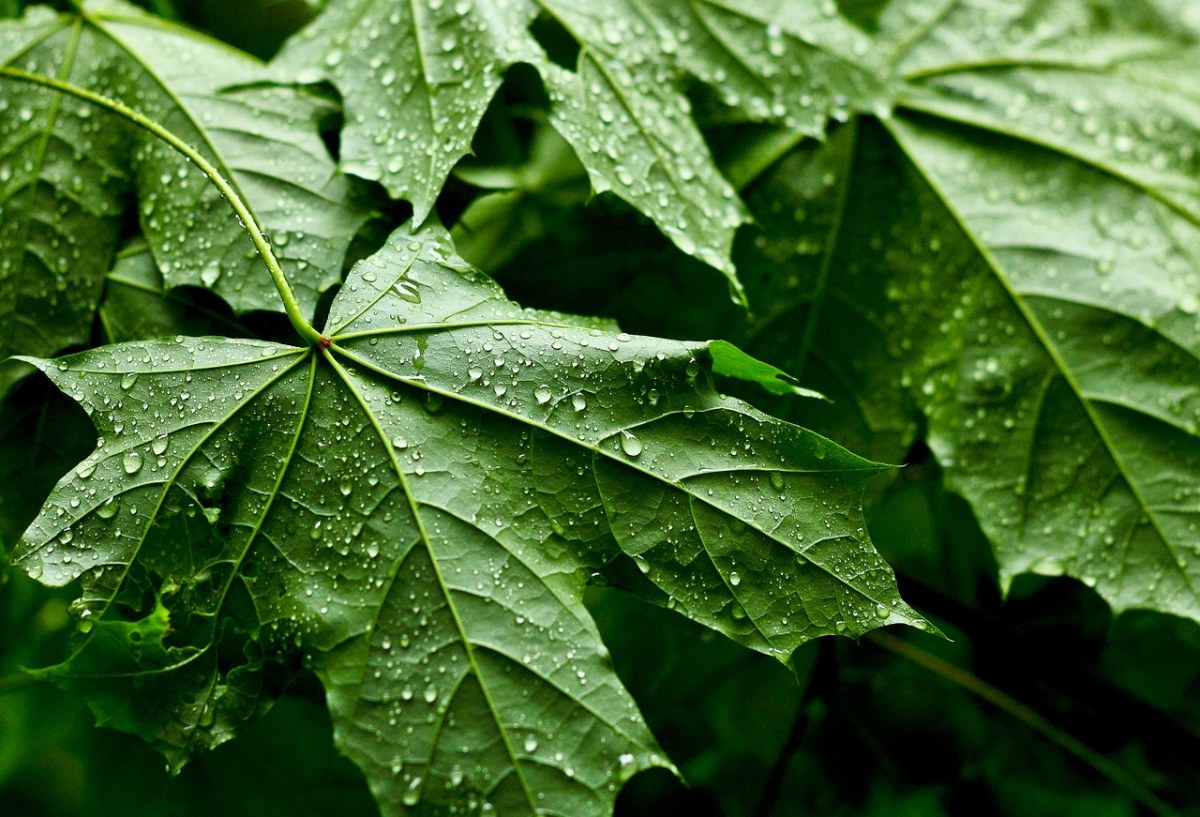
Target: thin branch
[
  {"x": 1026, "y": 715},
  {"x": 820, "y": 683},
  {"x": 15, "y": 683}
]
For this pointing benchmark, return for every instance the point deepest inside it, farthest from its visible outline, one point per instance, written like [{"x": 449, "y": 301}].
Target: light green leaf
[
  {"x": 1021, "y": 243},
  {"x": 264, "y": 139},
  {"x": 731, "y": 361},
  {"x": 416, "y": 79},
  {"x": 416, "y": 512}
]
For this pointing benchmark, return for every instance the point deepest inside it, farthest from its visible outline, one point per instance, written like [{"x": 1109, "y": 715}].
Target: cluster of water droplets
[{"x": 62, "y": 178}]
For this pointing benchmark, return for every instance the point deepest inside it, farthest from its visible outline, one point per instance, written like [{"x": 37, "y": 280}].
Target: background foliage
[{"x": 987, "y": 261}]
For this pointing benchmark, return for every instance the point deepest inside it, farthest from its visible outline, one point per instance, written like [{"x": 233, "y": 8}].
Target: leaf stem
[
  {"x": 245, "y": 217},
  {"x": 14, "y": 683}
]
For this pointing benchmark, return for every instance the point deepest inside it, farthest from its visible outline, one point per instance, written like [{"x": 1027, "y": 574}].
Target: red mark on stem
[{"x": 325, "y": 341}]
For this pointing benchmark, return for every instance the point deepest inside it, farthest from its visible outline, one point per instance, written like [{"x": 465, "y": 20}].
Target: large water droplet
[
  {"x": 131, "y": 462},
  {"x": 408, "y": 291},
  {"x": 630, "y": 444}
]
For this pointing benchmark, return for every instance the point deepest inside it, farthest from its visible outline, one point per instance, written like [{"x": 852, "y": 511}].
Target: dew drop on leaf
[
  {"x": 407, "y": 290},
  {"x": 630, "y": 444},
  {"x": 412, "y": 794},
  {"x": 131, "y": 462}
]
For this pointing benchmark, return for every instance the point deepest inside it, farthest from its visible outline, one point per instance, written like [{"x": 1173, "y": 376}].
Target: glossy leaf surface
[
  {"x": 1017, "y": 252},
  {"x": 417, "y": 78},
  {"x": 415, "y": 512},
  {"x": 71, "y": 165}
]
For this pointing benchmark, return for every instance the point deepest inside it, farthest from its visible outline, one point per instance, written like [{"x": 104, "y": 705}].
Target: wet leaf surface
[{"x": 415, "y": 512}]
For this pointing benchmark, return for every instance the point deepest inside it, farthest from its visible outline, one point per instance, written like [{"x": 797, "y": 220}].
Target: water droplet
[
  {"x": 159, "y": 446},
  {"x": 430, "y": 694},
  {"x": 131, "y": 462},
  {"x": 630, "y": 444},
  {"x": 578, "y": 401},
  {"x": 128, "y": 380},
  {"x": 735, "y": 578},
  {"x": 408, "y": 291},
  {"x": 531, "y": 744},
  {"x": 412, "y": 794},
  {"x": 542, "y": 394}
]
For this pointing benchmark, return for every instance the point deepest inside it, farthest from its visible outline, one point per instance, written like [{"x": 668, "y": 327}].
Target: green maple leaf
[
  {"x": 1017, "y": 248},
  {"x": 66, "y": 170},
  {"x": 415, "y": 512},
  {"x": 416, "y": 79}
]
